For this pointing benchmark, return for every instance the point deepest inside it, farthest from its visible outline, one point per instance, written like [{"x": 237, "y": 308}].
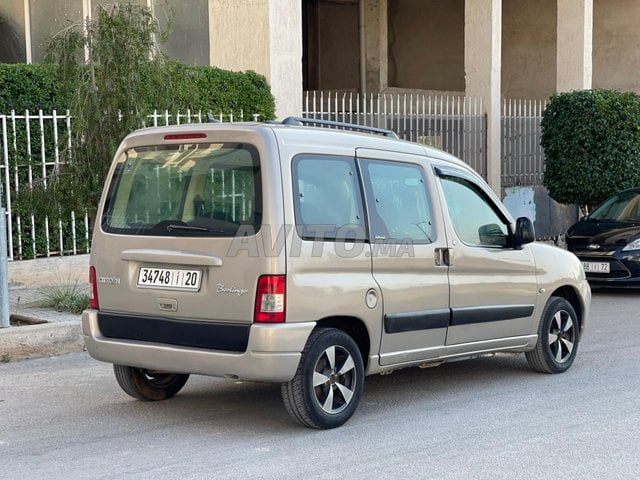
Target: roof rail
[{"x": 331, "y": 123}]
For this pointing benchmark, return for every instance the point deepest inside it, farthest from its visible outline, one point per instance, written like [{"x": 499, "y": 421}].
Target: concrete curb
[
  {"x": 43, "y": 331},
  {"x": 42, "y": 340}
]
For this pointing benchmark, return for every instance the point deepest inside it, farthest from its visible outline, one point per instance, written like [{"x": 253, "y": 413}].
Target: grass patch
[
  {"x": 5, "y": 358},
  {"x": 68, "y": 297}
]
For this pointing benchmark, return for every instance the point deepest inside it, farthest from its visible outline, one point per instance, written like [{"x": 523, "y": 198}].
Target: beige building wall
[
  {"x": 616, "y": 44},
  {"x": 426, "y": 44},
  {"x": 264, "y": 36},
  {"x": 239, "y": 35},
  {"x": 528, "y": 48}
]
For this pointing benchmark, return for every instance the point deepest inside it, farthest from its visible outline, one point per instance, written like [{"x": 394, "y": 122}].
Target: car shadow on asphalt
[
  {"x": 629, "y": 291},
  {"x": 222, "y": 405}
]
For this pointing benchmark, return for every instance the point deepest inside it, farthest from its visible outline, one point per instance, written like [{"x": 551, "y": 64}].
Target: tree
[
  {"x": 114, "y": 66},
  {"x": 591, "y": 142}
]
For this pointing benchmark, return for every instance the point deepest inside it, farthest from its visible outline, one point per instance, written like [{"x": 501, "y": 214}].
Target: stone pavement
[{"x": 37, "y": 331}]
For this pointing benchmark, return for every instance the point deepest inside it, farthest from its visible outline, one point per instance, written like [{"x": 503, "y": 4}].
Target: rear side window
[
  {"x": 185, "y": 190},
  {"x": 328, "y": 200},
  {"x": 399, "y": 206}
]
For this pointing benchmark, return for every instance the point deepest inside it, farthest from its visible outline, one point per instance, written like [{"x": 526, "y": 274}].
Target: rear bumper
[{"x": 272, "y": 354}]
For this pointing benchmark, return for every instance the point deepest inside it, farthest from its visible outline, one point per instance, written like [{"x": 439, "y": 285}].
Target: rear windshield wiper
[{"x": 191, "y": 228}]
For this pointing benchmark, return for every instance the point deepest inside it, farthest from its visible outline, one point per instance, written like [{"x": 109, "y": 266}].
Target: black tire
[
  {"x": 147, "y": 384},
  {"x": 558, "y": 338},
  {"x": 333, "y": 401}
]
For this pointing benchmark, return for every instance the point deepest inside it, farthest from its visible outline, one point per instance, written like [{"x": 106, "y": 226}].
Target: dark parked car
[{"x": 608, "y": 241}]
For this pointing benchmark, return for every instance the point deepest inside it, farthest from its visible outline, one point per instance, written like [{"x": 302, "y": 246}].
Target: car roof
[{"x": 310, "y": 134}]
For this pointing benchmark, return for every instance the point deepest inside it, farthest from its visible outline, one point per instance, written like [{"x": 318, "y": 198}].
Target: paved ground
[{"x": 65, "y": 417}]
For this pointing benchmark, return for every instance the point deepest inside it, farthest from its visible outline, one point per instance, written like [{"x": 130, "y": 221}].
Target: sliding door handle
[{"x": 444, "y": 257}]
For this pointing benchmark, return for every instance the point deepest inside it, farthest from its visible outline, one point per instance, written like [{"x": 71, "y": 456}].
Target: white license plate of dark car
[
  {"x": 596, "y": 267},
  {"x": 169, "y": 278}
]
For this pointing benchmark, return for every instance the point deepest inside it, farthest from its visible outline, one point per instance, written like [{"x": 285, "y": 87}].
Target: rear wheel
[
  {"x": 147, "y": 384},
  {"x": 558, "y": 336},
  {"x": 326, "y": 389}
]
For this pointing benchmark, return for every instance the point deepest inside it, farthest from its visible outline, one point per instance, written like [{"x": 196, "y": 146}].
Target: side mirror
[{"x": 525, "y": 233}]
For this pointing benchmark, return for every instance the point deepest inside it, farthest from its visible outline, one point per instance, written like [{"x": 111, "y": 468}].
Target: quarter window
[
  {"x": 473, "y": 216},
  {"x": 328, "y": 201}
]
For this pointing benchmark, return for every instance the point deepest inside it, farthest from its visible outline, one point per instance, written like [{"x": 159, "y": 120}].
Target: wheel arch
[
  {"x": 352, "y": 326},
  {"x": 571, "y": 295}
]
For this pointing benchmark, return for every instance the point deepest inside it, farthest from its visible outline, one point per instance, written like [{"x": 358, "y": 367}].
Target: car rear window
[{"x": 185, "y": 190}]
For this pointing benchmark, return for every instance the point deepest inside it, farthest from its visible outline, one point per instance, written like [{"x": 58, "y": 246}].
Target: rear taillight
[
  {"x": 93, "y": 299},
  {"x": 270, "y": 299}
]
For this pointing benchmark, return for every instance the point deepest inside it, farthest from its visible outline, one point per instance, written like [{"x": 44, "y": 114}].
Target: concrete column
[
  {"x": 376, "y": 45},
  {"x": 482, "y": 65},
  {"x": 264, "y": 36},
  {"x": 285, "y": 52},
  {"x": 575, "y": 45}
]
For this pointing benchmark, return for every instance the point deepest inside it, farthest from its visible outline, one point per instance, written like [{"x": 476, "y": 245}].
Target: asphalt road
[{"x": 66, "y": 418}]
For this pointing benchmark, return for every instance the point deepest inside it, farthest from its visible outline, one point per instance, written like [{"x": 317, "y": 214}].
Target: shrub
[
  {"x": 31, "y": 87},
  {"x": 65, "y": 297},
  {"x": 216, "y": 90},
  {"x": 591, "y": 141}
]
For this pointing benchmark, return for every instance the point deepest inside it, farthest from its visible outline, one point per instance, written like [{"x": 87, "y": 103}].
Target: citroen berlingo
[{"x": 313, "y": 257}]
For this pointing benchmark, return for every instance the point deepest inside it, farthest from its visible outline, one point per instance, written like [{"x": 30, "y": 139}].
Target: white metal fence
[
  {"x": 33, "y": 147},
  {"x": 455, "y": 124},
  {"x": 33, "y": 144},
  {"x": 522, "y": 155}
]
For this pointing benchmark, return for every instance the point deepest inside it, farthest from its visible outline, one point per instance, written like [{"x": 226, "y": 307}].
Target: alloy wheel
[
  {"x": 334, "y": 379},
  {"x": 562, "y": 336}
]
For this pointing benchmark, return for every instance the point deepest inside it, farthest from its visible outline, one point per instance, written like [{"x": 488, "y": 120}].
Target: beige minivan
[{"x": 312, "y": 257}]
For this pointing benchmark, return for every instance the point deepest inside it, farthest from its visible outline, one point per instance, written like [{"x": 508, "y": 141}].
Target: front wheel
[
  {"x": 326, "y": 389},
  {"x": 558, "y": 336},
  {"x": 148, "y": 384}
]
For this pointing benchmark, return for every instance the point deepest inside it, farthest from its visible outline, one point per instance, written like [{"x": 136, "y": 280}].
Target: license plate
[
  {"x": 169, "y": 278},
  {"x": 596, "y": 267}
]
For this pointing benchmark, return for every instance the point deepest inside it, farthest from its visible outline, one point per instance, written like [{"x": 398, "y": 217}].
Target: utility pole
[{"x": 4, "y": 276}]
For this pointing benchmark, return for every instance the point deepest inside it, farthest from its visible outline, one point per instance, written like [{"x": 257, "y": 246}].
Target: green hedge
[
  {"x": 30, "y": 87},
  {"x": 216, "y": 90},
  {"x": 181, "y": 87},
  {"x": 591, "y": 141},
  {"x": 196, "y": 87}
]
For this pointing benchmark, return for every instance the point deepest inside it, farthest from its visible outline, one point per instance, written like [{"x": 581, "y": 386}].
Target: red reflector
[
  {"x": 270, "y": 307},
  {"x": 185, "y": 136},
  {"x": 93, "y": 299}
]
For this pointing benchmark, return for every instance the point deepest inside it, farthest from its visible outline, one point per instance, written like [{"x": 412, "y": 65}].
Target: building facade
[{"x": 494, "y": 49}]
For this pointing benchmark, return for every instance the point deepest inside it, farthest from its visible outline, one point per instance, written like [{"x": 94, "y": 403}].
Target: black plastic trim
[
  {"x": 410, "y": 321},
  {"x": 494, "y": 313},
  {"x": 186, "y": 333}
]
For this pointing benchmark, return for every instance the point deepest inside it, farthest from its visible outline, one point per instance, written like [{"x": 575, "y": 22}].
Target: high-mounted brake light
[
  {"x": 270, "y": 298},
  {"x": 93, "y": 299},
  {"x": 185, "y": 136}
]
